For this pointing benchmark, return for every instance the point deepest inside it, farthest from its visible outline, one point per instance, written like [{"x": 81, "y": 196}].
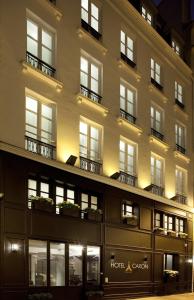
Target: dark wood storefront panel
[
  {"x": 169, "y": 244},
  {"x": 145, "y": 218},
  {"x": 14, "y": 220}
]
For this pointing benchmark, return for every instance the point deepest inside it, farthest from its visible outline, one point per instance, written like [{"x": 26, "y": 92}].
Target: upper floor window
[
  {"x": 175, "y": 47},
  {"x": 168, "y": 222},
  {"x": 156, "y": 122},
  {"x": 127, "y": 49},
  {"x": 90, "y": 78},
  {"x": 127, "y": 157},
  {"x": 89, "y": 201},
  {"x": 39, "y": 127},
  {"x": 64, "y": 194},
  {"x": 90, "y": 17},
  {"x": 179, "y": 94},
  {"x": 127, "y": 103},
  {"x": 146, "y": 15},
  {"x": 158, "y": 220},
  {"x": 37, "y": 188},
  {"x": 90, "y": 147},
  {"x": 40, "y": 46},
  {"x": 130, "y": 213},
  {"x": 156, "y": 170},
  {"x": 180, "y": 136},
  {"x": 181, "y": 180},
  {"x": 155, "y": 73},
  {"x": 180, "y": 225}
]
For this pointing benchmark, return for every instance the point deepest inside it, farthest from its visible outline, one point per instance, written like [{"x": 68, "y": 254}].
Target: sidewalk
[{"x": 187, "y": 296}]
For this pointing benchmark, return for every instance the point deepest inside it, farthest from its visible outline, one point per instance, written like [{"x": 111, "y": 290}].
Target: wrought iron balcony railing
[
  {"x": 36, "y": 146},
  {"x": 90, "y": 165},
  {"x": 180, "y": 104},
  {"x": 180, "y": 199},
  {"x": 127, "y": 178},
  {"x": 127, "y": 116},
  {"x": 155, "y": 189},
  {"x": 127, "y": 60},
  {"x": 91, "y": 30},
  {"x": 156, "y": 84},
  {"x": 180, "y": 149},
  {"x": 157, "y": 134},
  {"x": 90, "y": 94},
  {"x": 39, "y": 64}
]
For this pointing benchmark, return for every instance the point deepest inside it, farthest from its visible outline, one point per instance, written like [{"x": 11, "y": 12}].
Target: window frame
[
  {"x": 90, "y": 15},
  {"x": 156, "y": 110},
  {"x": 154, "y": 179},
  {"x": 145, "y": 13},
  {"x": 128, "y": 157},
  {"x": 155, "y": 71},
  {"x": 180, "y": 183},
  {"x": 180, "y": 138}
]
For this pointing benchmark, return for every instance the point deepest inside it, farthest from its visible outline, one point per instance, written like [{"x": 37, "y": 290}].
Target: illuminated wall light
[{"x": 14, "y": 247}]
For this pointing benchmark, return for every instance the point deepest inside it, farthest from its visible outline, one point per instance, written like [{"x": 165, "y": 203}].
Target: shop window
[
  {"x": 93, "y": 265},
  {"x": 37, "y": 263},
  {"x": 168, "y": 261},
  {"x": 57, "y": 264},
  {"x": 75, "y": 265}
]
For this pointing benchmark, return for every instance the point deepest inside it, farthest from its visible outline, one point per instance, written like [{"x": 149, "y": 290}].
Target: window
[
  {"x": 156, "y": 122},
  {"x": 37, "y": 263},
  {"x": 179, "y": 94},
  {"x": 90, "y": 17},
  {"x": 175, "y": 47},
  {"x": 127, "y": 157},
  {"x": 75, "y": 265},
  {"x": 40, "y": 46},
  {"x": 39, "y": 127},
  {"x": 57, "y": 264},
  {"x": 146, "y": 15},
  {"x": 127, "y": 209},
  {"x": 127, "y": 103},
  {"x": 180, "y": 225},
  {"x": 89, "y": 141},
  {"x": 89, "y": 201},
  {"x": 157, "y": 170},
  {"x": 158, "y": 220},
  {"x": 168, "y": 222},
  {"x": 168, "y": 261},
  {"x": 180, "y": 137},
  {"x": 127, "y": 49},
  {"x": 181, "y": 180},
  {"x": 155, "y": 73},
  {"x": 93, "y": 265},
  {"x": 90, "y": 79},
  {"x": 37, "y": 188},
  {"x": 63, "y": 194}
]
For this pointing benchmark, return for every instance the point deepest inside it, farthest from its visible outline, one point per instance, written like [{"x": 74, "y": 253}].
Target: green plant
[
  {"x": 132, "y": 217},
  {"x": 40, "y": 198},
  {"x": 90, "y": 209},
  {"x": 171, "y": 273},
  {"x": 67, "y": 204}
]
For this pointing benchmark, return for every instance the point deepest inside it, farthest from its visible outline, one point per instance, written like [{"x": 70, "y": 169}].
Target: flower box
[
  {"x": 130, "y": 220},
  {"x": 69, "y": 209},
  {"x": 171, "y": 233},
  {"x": 93, "y": 215},
  {"x": 182, "y": 235},
  {"x": 159, "y": 230},
  {"x": 43, "y": 204}
]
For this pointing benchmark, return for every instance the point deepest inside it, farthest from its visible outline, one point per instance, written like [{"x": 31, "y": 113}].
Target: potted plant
[
  {"x": 182, "y": 235},
  {"x": 130, "y": 220},
  {"x": 171, "y": 233},
  {"x": 160, "y": 230},
  {"x": 69, "y": 209},
  {"x": 170, "y": 274},
  {"x": 93, "y": 214},
  {"x": 40, "y": 296},
  {"x": 41, "y": 203}
]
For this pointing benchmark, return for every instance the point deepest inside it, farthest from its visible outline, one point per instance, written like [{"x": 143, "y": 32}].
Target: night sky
[{"x": 192, "y": 6}]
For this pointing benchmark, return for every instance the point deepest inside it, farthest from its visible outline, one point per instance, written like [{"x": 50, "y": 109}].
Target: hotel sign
[{"x": 129, "y": 267}]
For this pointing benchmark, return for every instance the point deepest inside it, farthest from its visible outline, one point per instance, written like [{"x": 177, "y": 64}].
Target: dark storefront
[{"x": 118, "y": 243}]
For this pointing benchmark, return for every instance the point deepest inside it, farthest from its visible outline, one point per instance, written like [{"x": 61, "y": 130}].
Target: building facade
[{"x": 96, "y": 164}]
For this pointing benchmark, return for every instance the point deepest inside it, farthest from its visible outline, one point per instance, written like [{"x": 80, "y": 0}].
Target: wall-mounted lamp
[
  {"x": 1, "y": 195},
  {"x": 145, "y": 258},
  {"x": 71, "y": 160},
  {"x": 186, "y": 245},
  {"x": 14, "y": 247},
  {"x": 112, "y": 256},
  {"x": 115, "y": 175}
]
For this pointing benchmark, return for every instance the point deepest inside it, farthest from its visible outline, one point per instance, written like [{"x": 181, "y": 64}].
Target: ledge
[
  {"x": 27, "y": 68},
  {"x": 84, "y": 34},
  {"x": 158, "y": 142},
  {"x": 130, "y": 70},
  {"x": 152, "y": 88},
  {"x": 185, "y": 158},
  {"x": 97, "y": 106},
  {"x": 133, "y": 127},
  {"x": 52, "y": 8},
  {"x": 179, "y": 110}
]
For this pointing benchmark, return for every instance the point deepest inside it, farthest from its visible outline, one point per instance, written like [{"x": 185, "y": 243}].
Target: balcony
[
  {"x": 155, "y": 189},
  {"x": 125, "y": 115},
  {"x": 156, "y": 84},
  {"x": 43, "y": 149},
  {"x": 90, "y": 94},
  {"x": 90, "y": 165},
  {"x": 157, "y": 134},
  {"x": 91, "y": 30},
  {"x": 180, "y": 104},
  {"x": 39, "y": 64},
  {"x": 180, "y": 199},
  {"x": 180, "y": 149},
  {"x": 127, "y": 60},
  {"x": 127, "y": 178},
  {"x": 53, "y": 2}
]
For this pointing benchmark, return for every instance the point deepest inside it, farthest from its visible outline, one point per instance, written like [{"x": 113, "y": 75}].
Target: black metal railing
[
  {"x": 90, "y": 94},
  {"x": 180, "y": 104},
  {"x": 155, "y": 189},
  {"x": 53, "y": 1},
  {"x": 127, "y": 116},
  {"x": 91, "y": 30},
  {"x": 180, "y": 149},
  {"x": 90, "y": 165},
  {"x": 127, "y": 60},
  {"x": 127, "y": 178},
  {"x": 39, "y": 64},
  {"x": 180, "y": 199},
  {"x": 157, "y": 134},
  {"x": 156, "y": 84},
  {"x": 41, "y": 148}
]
